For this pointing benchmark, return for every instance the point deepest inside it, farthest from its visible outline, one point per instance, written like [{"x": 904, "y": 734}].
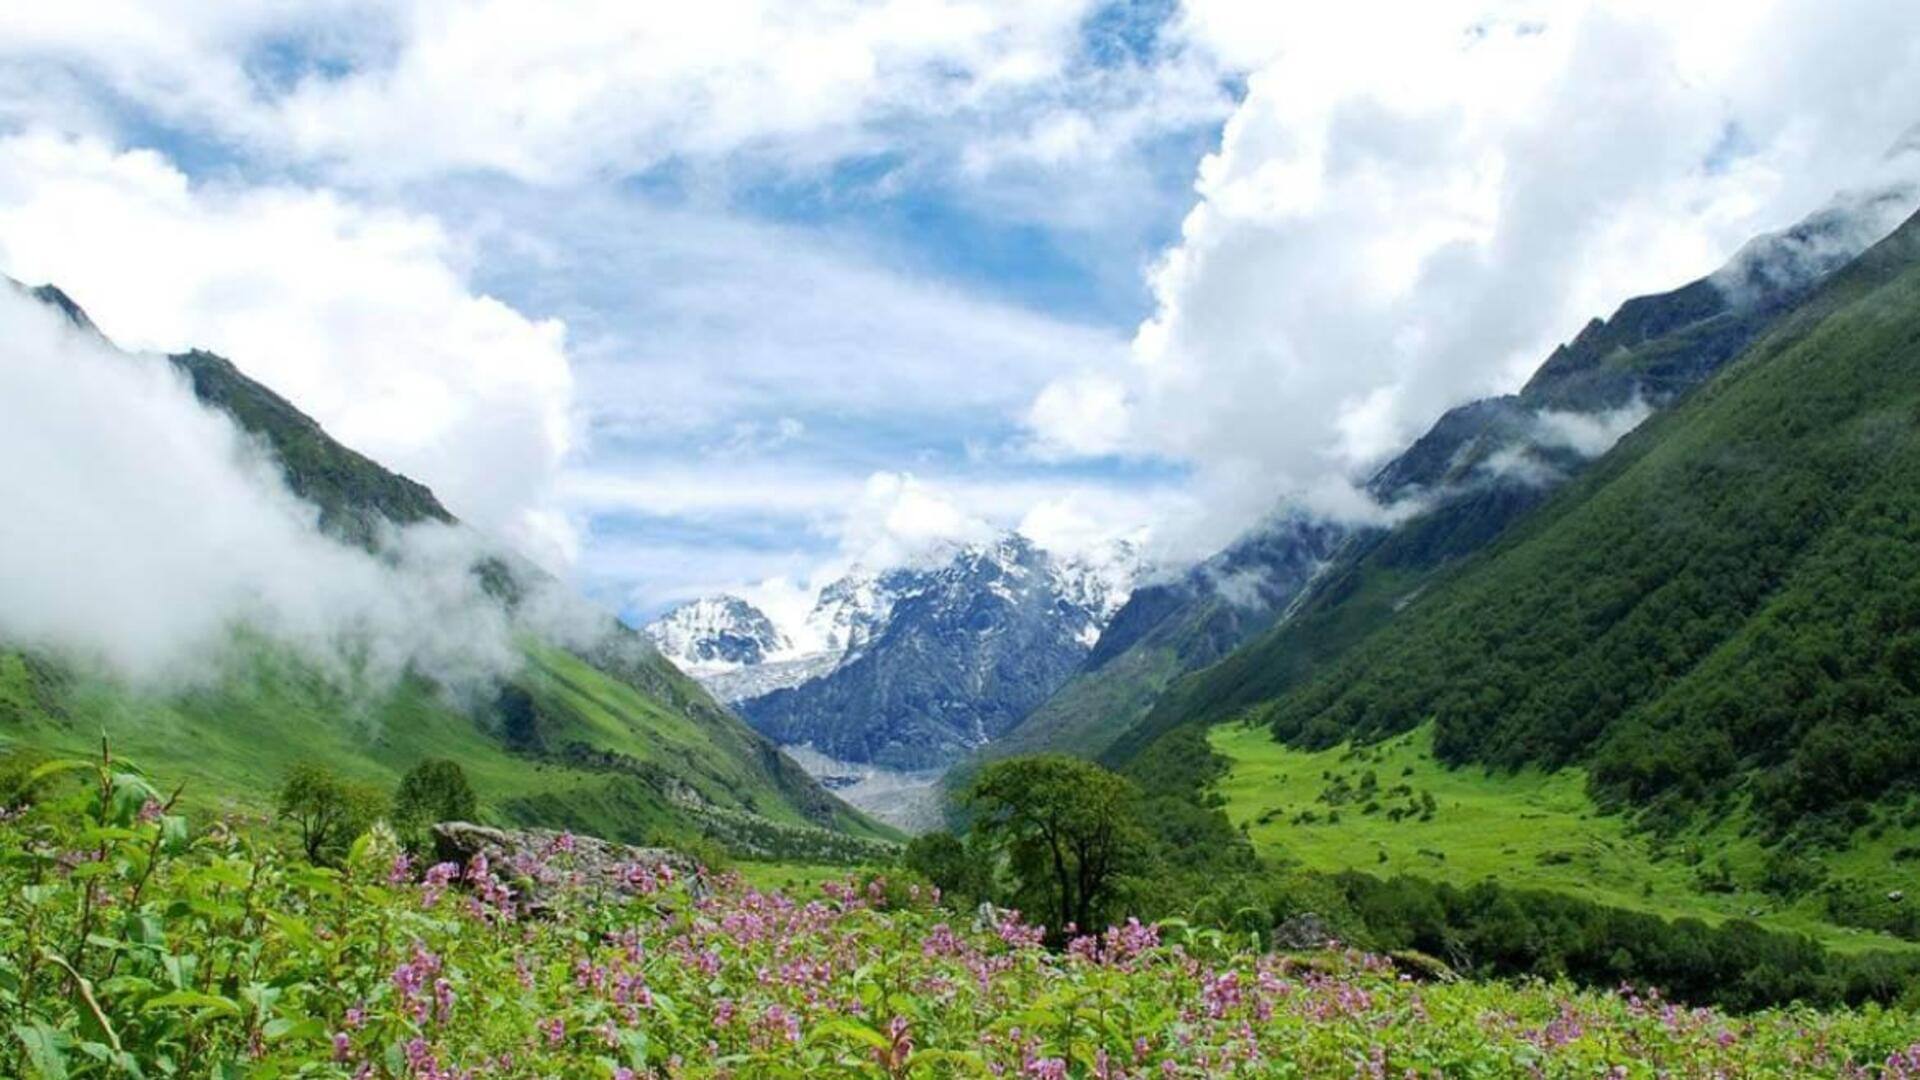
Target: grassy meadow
[{"x": 1525, "y": 829}]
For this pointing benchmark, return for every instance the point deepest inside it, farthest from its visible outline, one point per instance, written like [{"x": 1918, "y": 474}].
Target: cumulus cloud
[
  {"x": 691, "y": 333},
  {"x": 383, "y": 91},
  {"x": 1396, "y": 222},
  {"x": 144, "y": 532},
  {"x": 361, "y": 316}
]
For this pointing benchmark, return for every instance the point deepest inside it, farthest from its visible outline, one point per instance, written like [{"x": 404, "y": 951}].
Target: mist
[{"x": 145, "y": 534}]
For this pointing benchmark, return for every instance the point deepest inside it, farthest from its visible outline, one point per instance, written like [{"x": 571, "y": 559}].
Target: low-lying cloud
[
  {"x": 1588, "y": 434},
  {"x": 360, "y": 314},
  {"x": 145, "y": 531}
]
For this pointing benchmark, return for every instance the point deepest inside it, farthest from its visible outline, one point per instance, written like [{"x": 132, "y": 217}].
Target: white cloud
[
  {"x": 1397, "y": 221},
  {"x": 413, "y": 89},
  {"x": 687, "y": 324},
  {"x": 1589, "y": 434},
  {"x": 871, "y": 520},
  {"x": 361, "y": 316},
  {"x": 143, "y": 531}
]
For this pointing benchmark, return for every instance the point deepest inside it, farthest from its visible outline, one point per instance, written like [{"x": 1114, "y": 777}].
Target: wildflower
[{"x": 438, "y": 878}]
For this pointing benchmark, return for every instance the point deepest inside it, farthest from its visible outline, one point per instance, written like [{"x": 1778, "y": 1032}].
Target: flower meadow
[{"x": 131, "y": 944}]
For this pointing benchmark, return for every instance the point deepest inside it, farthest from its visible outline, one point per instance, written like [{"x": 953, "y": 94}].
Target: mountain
[
  {"x": 716, "y": 633},
  {"x": 1169, "y": 627},
  {"x": 1721, "y": 615},
  {"x": 597, "y": 732},
  {"x": 931, "y": 661},
  {"x": 707, "y": 637},
  {"x": 1481, "y": 467}
]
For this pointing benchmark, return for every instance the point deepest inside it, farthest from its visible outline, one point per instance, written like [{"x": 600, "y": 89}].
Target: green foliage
[
  {"x": 962, "y": 873},
  {"x": 327, "y": 812},
  {"x": 1067, "y": 829},
  {"x": 133, "y": 946},
  {"x": 1489, "y": 930},
  {"x": 433, "y": 791},
  {"x": 21, "y": 781}
]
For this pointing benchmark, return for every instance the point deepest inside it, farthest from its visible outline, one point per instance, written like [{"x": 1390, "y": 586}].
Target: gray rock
[
  {"x": 539, "y": 863},
  {"x": 1304, "y": 932}
]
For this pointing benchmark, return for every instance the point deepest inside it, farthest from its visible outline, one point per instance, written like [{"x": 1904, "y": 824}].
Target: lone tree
[
  {"x": 434, "y": 790},
  {"x": 1068, "y": 828},
  {"x": 327, "y": 811}
]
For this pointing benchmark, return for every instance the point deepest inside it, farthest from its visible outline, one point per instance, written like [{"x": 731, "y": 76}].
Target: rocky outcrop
[{"x": 537, "y": 863}]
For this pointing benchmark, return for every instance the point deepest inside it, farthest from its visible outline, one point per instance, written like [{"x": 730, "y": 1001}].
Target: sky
[{"x": 735, "y": 295}]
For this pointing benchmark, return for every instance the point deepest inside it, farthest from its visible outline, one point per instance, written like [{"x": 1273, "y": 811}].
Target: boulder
[
  {"x": 1304, "y": 932},
  {"x": 537, "y": 863}
]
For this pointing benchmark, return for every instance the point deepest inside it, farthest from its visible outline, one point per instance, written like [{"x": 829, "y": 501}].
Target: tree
[
  {"x": 947, "y": 861},
  {"x": 327, "y": 811},
  {"x": 1068, "y": 829},
  {"x": 434, "y": 790}
]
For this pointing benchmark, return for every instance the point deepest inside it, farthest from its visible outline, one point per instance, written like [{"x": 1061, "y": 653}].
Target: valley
[
  {"x": 1346, "y": 808},
  {"x": 1100, "y": 540}
]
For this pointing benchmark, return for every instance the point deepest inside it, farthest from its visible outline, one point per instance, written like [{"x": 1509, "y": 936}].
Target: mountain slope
[
  {"x": 1485, "y": 465},
  {"x": 604, "y": 735},
  {"x": 1168, "y": 628},
  {"x": 1725, "y": 607}
]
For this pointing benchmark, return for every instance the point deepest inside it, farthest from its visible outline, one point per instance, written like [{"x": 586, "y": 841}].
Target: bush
[
  {"x": 433, "y": 791},
  {"x": 327, "y": 812}
]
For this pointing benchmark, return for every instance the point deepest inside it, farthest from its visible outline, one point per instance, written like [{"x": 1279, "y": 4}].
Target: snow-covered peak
[
  {"x": 740, "y": 653},
  {"x": 716, "y": 633},
  {"x": 1097, "y": 583}
]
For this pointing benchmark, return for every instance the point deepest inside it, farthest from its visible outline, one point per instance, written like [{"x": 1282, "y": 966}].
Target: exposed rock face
[
  {"x": 716, "y": 633},
  {"x": 536, "y": 862},
  {"x": 965, "y": 650}
]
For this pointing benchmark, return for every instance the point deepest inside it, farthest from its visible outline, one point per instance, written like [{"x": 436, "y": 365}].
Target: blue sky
[{"x": 711, "y": 296}]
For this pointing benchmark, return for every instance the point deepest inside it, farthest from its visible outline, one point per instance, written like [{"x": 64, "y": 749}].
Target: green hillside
[
  {"x": 611, "y": 739},
  {"x": 564, "y": 746},
  {"x": 1720, "y": 622},
  {"x": 1650, "y": 353}
]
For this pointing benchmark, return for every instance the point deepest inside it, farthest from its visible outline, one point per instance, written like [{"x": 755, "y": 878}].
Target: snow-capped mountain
[
  {"x": 909, "y": 666},
  {"x": 716, "y": 634},
  {"x": 950, "y": 656}
]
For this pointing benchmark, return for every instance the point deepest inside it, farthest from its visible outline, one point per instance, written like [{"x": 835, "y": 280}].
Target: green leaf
[
  {"x": 175, "y": 837},
  {"x": 852, "y": 1029},
  {"x": 293, "y": 927},
  {"x": 289, "y": 1028},
  {"x": 55, "y": 768},
  {"x": 180, "y": 969},
  {"x": 636, "y": 1043},
  {"x": 193, "y": 999},
  {"x": 962, "y": 1062},
  {"x": 46, "y": 1050}
]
